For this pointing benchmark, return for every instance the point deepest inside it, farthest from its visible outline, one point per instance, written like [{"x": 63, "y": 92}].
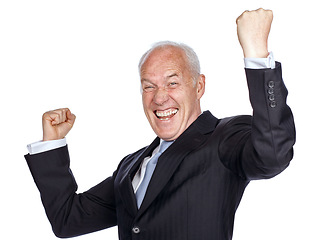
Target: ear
[{"x": 200, "y": 86}]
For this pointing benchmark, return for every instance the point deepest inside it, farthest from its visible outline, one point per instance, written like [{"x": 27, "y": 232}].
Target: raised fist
[
  {"x": 253, "y": 29},
  {"x": 57, "y": 124}
]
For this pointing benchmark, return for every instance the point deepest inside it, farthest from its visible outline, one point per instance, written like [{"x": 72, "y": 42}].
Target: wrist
[{"x": 256, "y": 52}]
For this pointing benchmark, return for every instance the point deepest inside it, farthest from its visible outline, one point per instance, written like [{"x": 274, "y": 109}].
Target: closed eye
[
  {"x": 173, "y": 80},
  {"x": 148, "y": 88}
]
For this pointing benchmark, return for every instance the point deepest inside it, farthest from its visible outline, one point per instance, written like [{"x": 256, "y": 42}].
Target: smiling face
[{"x": 171, "y": 100}]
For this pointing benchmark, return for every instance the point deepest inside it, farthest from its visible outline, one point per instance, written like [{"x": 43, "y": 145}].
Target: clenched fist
[
  {"x": 57, "y": 124},
  {"x": 253, "y": 29}
]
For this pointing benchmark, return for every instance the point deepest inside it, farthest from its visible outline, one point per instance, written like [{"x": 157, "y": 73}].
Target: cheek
[
  {"x": 146, "y": 101},
  {"x": 183, "y": 98}
]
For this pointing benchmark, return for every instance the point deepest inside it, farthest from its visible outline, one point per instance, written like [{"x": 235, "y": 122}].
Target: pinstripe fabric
[
  {"x": 200, "y": 179},
  {"x": 189, "y": 206}
]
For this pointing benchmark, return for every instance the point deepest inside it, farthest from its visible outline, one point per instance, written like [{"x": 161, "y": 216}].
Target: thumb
[{"x": 70, "y": 118}]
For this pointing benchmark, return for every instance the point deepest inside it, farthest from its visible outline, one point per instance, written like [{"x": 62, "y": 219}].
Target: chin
[
  {"x": 166, "y": 127},
  {"x": 167, "y": 135}
]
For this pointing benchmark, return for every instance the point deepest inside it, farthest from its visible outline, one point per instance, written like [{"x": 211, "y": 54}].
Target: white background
[{"x": 84, "y": 54}]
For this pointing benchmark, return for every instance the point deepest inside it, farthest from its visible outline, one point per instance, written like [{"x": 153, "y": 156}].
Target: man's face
[{"x": 171, "y": 100}]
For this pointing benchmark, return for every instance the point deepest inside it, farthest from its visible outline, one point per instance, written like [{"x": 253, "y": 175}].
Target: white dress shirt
[{"x": 139, "y": 176}]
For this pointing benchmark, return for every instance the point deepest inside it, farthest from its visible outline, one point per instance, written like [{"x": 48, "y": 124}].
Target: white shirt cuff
[
  {"x": 259, "y": 63},
  {"x": 43, "y": 146}
]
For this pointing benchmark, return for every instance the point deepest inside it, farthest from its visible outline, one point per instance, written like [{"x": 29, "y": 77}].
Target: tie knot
[{"x": 164, "y": 145}]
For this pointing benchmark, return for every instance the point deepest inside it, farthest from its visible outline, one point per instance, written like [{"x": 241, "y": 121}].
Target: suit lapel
[
  {"x": 126, "y": 187},
  {"x": 169, "y": 161}
]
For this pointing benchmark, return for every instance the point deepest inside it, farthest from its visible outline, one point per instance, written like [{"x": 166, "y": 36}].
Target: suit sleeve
[
  {"x": 261, "y": 146},
  {"x": 69, "y": 213}
]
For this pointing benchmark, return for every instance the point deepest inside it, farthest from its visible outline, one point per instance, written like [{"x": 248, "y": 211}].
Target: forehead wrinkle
[
  {"x": 168, "y": 73},
  {"x": 162, "y": 64}
]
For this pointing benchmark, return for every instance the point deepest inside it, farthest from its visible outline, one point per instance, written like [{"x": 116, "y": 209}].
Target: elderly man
[{"x": 188, "y": 183}]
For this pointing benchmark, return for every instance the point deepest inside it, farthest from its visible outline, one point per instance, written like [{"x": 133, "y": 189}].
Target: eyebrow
[
  {"x": 172, "y": 75},
  {"x": 147, "y": 81}
]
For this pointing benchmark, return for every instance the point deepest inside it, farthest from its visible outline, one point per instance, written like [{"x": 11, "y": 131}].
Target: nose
[{"x": 161, "y": 96}]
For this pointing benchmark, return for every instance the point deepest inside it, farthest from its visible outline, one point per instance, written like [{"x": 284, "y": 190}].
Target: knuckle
[
  {"x": 58, "y": 111},
  {"x": 46, "y": 114},
  {"x": 246, "y": 12}
]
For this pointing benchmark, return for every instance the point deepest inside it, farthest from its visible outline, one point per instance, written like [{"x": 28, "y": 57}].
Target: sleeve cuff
[
  {"x": 259, "y": 63},
  {"x": 41, "y": 146}
]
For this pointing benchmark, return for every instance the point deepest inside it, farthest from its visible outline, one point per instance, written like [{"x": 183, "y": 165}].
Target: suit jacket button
[
  {"x": 271, "y": 84},
  {"x": 271, "y": 97},
  {"x": 273, "y": 104},
  {"x": 136, "y": 230},
  {"x": 271, "y": 91}
]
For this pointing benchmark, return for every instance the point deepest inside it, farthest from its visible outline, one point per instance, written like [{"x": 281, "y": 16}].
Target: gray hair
[{"x": 192, "y": 58}]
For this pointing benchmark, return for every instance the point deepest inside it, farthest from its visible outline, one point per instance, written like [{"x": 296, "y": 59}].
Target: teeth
[{"x": 166, "y": 114}]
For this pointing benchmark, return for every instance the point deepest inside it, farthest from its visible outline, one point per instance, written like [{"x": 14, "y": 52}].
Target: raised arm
[
  {"x": 69, "y": 213},
  {"x": 261, "y": 146}
]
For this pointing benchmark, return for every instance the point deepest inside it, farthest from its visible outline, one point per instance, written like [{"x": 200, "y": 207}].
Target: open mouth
[{"x": 166, "y": 114}]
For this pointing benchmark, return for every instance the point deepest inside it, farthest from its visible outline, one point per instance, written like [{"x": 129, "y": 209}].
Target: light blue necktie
[{"x": 140, "y": 193}]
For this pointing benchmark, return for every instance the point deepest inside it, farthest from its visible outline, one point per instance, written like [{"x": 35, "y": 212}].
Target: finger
[
  {"x": 56, "y": 114},
  {"x": 70, "y": 117},
  {"x": 61, "y": 114},
  {"x": 270, "y": 14},
  {"x": 239, "y": 17},
  {"x": 52, "y": 117}
]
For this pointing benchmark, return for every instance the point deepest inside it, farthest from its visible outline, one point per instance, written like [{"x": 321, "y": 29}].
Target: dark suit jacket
[{"x": 198, "y": 181}]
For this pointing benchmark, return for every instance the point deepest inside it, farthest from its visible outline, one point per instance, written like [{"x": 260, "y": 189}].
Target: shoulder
[
  {"x": 230, "y": 125},
  {"x": 235, "y": 120}
]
